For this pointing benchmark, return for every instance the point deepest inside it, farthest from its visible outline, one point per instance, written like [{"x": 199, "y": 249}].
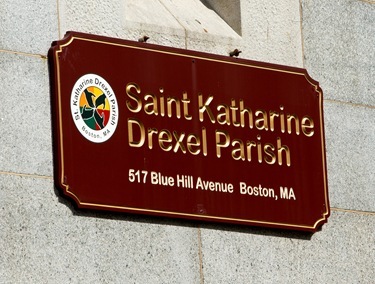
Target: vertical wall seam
[
  {"x": 58, "y": 19},
  {"x": 178, "y": 21},
  {"x": 200, "y": 255},
  {"x": 301, "y": 32}
]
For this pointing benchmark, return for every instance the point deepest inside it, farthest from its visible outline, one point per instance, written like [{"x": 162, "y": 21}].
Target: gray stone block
[
  {"x": 350, "y": 136},
  {"x": 214, "y": 44},
  {"x": 197, "y": 19},
  {"x": 122, "y": 19},
  {"x": 339, "y": 39},
  {"x": 97, "y": 17},
  {"x": 165, "y": 22},
  {"x": 28, "y": 27},
  {"x": 271, "y": 31},
  {"x": 230, "y": 11},
  {"x": 272, "y": 34},
  {"x": 25, "y": 115},
  {"x": 342, "y": 252},
  {"x": 43, "y": 240}
]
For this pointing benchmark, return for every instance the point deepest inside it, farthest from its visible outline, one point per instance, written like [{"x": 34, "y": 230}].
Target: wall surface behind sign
[{"x": 43, "y": 239}]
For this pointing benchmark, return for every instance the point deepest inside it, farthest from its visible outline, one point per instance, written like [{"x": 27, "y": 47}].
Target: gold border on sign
[{"x": 177, "y": 214}]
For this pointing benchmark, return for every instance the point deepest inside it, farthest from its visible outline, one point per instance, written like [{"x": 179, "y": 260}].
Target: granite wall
[{"x": 43, "y": 239}]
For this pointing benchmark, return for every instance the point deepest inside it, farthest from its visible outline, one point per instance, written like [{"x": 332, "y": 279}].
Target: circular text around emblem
[{"x": 94, "y": 108}]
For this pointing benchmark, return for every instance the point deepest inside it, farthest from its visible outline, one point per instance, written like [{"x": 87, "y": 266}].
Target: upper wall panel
[
  {"x": 28, "y": 26},
  {"x": 263, "y": 30},
  {"x": 339, "y": 41}
]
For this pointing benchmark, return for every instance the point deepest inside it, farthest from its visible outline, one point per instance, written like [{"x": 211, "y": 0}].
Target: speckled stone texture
[
  {"x": 339, "y": 40},
  {"x": 343, "y": 252},
  {"x": 25, "y": 115},
  {"x": 44, "y": 239},
  {"x": 28, "y": 26},
  {"x": 350, "y": 136},
  {"x": 271, "y": 31}
]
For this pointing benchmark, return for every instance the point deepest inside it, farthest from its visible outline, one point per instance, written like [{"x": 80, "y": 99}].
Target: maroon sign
[{"x": 155, "y": 130}]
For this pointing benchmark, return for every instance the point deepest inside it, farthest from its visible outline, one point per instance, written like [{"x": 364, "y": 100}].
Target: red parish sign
[{"x": 155, "y": 130}]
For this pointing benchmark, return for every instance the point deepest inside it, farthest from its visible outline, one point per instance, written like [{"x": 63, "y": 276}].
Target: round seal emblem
[{"x": 94, "y": 108}]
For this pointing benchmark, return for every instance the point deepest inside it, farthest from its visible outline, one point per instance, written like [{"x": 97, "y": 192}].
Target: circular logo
[{"x": 94, "y": 108}]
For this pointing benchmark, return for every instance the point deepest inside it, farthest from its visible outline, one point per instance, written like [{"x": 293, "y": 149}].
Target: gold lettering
[
  {"x": 289, "y": 123},
  {"x": 185, "y": 103},
  {"x": 238, "y": 153},
  {"x": 204, "y": 141},
  {"x": 224, "y": 117},
  {"x": 249, "y": 145},
  {"x": 150, "y": 132},
  {"x": 243, "y": 111},
  {"x": 191, "y": 142},
  {"x": 282, "y": 120},
  {"x": 270, "y": 157},
  {"x": 259, "y": 148},
  {"x": 161, "y": 99},
  {"x": 153, "y": 104},
  {"x": 165, "y": 137},
  {"x": 179, "y": 144},
  {"x": 221, "y": 144},
  {"x": 204, "y": 107},
  {"x": 234, "y": 109},
  {"x": 273, "y": 114},
  {"x": 280, "y": 149},
  {"x": 307, "y": 125},
  {"x": 261, "y": 122},
  {"x": 170, "y": 101},
  {"x": 141, "y": 128},
  {"x": 134, "y": 97}
]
